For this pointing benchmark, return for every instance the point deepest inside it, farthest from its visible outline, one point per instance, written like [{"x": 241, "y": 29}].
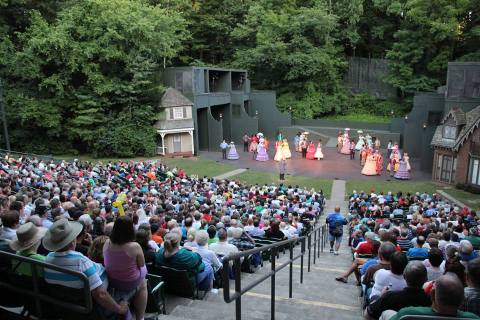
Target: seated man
[
  {"x": 472, "y": 291},
  {"x": 241, "y": 239},
  {"x": 447, "y": 296},
  {"x": 61, "y": 239},
  {"x": 415, "y": 275},
  {"x": 384, "y": 254},
  {"x": 222, "y": 247},
  {"x": 390, "y": 279},
  {"x": 365, "y": 247},
  {"x": 418, "y": 252},
  {"x": 358, "y": 262}
]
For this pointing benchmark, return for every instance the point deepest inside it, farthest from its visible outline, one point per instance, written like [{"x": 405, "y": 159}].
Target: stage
[{"x": 333, "y": 166}]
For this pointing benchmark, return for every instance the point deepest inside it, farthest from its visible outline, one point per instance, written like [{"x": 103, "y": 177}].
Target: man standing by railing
[{"x": 335, "y": 222}]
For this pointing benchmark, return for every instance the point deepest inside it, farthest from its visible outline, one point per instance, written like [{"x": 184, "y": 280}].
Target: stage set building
[
  {"x": 204, "y": 105},
  {"x": 222, "y": 107}
]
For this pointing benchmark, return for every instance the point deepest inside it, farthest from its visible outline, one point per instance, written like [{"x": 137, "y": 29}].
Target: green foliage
[
  {"x": 82, "y": 76},
  {"x": 87, "y": 79}
]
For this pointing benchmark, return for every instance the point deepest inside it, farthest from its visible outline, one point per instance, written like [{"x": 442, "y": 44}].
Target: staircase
[{"x": 319, "y": 297}]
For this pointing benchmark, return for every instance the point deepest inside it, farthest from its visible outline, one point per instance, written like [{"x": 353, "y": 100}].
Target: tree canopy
[{"x": 83, "y": 76}]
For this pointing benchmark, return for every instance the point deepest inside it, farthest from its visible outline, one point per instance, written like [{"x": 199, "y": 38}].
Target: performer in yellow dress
[{"x": 286, "y": 149}]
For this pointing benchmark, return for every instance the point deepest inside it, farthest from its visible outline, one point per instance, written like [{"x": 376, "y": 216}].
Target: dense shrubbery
[
  {"x": 81, "y": 75},
  {"x": 86, "y": 79}
]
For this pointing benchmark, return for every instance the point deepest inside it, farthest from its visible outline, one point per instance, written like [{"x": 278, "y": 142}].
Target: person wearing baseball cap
[{"x": 61, "y": 239}]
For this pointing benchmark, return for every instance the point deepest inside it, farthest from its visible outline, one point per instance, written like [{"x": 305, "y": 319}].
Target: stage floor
[{"x": 333, "y": 166}]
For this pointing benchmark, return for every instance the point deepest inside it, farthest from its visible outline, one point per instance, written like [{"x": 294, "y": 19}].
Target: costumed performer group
[
  {"x": 307, "y": 148},
  {"x": 371, "y": 158}
]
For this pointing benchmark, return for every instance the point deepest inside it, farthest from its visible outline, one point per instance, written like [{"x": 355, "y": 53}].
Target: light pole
[{"x": 4, "y": 118}]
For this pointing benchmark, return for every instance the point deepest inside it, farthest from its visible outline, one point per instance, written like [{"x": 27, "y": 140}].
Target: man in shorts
[{"x": 335, "y": 222}]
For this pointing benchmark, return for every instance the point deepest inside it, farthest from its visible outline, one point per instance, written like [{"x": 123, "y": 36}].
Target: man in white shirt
[
  {"x": 222, "y": 247},
  {"x": 390, "y": 279}
]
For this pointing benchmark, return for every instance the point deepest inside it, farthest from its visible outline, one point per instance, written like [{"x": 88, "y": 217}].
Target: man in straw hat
[
  {"x": 26, "y": 243},
  {"x": 61, "y": 239}
]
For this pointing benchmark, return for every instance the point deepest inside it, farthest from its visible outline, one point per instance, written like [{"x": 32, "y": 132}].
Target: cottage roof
[
  {"x": 470, "y": 120},
  {"x": 458, "y": 116},
  {"x": 174, "y": 98}
]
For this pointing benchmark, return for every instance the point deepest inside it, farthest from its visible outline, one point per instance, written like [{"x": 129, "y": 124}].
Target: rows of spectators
[
  {"x": 414, "y": 254},
  {"x": 115, "y": 221}
]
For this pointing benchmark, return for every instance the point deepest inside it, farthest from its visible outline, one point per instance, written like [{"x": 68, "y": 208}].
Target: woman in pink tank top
[{"x": 125, "y": 263}]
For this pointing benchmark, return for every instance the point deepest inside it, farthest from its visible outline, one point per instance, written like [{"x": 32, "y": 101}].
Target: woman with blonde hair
[{"x": 95, "y": 252}]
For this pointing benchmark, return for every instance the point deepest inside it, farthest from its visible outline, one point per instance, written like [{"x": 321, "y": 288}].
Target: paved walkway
[{"x": 230, "y": 173}]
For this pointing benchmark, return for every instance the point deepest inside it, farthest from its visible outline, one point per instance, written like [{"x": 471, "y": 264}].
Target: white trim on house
[{"x": 175, "y": 130}]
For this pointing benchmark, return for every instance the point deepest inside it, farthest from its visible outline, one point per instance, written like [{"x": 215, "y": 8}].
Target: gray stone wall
[{"x": 368, "y": 76}]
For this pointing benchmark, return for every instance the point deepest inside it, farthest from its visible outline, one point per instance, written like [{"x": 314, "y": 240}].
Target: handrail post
[
  {"x": 291, "y": 271},
  {"x": 238, "y": 288},
  {"x": 319, "y": 242},
  {"x": 309, "y": 248},
  {"x": 272, "y": 285},
  {"x": 323, "y": 237},
  {"x": 38, "y": 305},
  {"x": 301, "y": 260},
  {"x": 314, "y": 246}
]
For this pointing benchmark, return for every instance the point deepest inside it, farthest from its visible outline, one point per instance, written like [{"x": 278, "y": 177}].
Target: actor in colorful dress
[
  {"x": 379, "y": 162},
  {"x": 232, "y": 153},
  {"x": 286, "y": 149},
  {"x": 346, "y": 142},
  {"x": 363, "y": 155},
  {"x": 311, "y": 151},
  {"x": 407, "y": 160},
  {"x": 279, "y": 153},
  {"x": 339, "y": 141},
  {"x": 402, "y": 172},
  {"x": 360, "y": 143},
  {"x": 394, "y": 163},
  {"x": 318, "y": 153},
  {"x": 254, "y": 145},
  {"x": 262, "y": 154},
  {"x": 296, "y": 141},
  {"x": 370, "y": 168}
]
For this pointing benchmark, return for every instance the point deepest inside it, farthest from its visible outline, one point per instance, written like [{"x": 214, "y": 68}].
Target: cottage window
[
  {"x": 474, "y": 171},
  {"x": 449, "y": 132},
  {"x": 177, "y": 113}
]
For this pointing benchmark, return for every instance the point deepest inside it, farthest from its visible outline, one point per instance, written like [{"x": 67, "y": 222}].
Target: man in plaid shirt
[{"x": 471, "y": 303}]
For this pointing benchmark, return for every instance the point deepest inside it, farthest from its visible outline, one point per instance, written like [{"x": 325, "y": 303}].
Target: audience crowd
[
  {"x": 114, "y": 221},
  {"x": 414, "y": 254}
]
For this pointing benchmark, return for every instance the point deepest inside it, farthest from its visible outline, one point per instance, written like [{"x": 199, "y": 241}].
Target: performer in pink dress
[
  {"x": 311, "y": 151},
  {"x": 370, "y": 168},
  {"x": 346, "y": 142},
  {"x": 319, "y": 154}
]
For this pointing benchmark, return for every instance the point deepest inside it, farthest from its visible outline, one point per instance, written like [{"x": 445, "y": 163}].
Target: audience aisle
[{"x": 319, "y": 297}]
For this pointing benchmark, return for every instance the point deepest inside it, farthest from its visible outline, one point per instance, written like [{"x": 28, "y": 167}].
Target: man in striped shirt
[{"x": 61, "y": 240}]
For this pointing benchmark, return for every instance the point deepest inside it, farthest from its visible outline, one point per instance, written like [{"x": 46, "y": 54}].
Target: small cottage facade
[
  {"x": 456, "y": 144},
  {"x": 175, "y": 126}
]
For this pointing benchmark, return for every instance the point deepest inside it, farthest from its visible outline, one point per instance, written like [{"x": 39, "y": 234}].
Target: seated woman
[
  {"x": 125, "y": 264},
  {"x": 95, "y": 252},
  {"x": 274, "y": 231},
  {"x": 142, "y": 237},
  {"x": 171, "y": 255}
]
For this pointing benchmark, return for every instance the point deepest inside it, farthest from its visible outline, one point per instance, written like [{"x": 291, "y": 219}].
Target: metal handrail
[
  {"x": 31, "y": 155},
  {"x": 41, "y": 297},
  {"x": 318, "y": 243}
]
